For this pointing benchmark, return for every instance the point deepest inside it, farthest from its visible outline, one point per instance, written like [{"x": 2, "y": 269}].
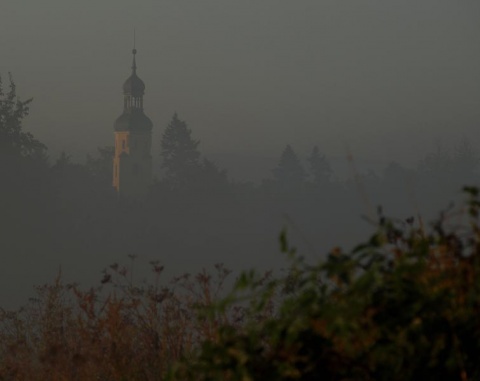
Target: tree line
[{"x": 57, "y": 211}]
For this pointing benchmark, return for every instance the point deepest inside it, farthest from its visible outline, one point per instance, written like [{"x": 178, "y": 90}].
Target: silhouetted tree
[
  {"x": 437, "y": 163},
  {"x": 213, "y": 177},
  {"x": 465, "y": 162},
  {"x": 71, "y": 179},
  {"x": 25, "y": 191},
  {"x": 447, "y": 170},
  {"x": 14, "y": 142},
  {"x": 100, "y": 168},
  {"x": 289, "y": 172},
  {"x": 62, "y": 162},
  {"x": 319, "y": 167},
  {"x": 180, "y": 156}
]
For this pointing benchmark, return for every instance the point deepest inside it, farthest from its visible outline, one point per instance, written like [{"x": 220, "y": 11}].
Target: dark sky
[{"x": 386, "y": 78}]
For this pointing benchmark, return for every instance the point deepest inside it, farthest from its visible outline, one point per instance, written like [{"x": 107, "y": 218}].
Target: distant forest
[{"x": 56, "y": 212}]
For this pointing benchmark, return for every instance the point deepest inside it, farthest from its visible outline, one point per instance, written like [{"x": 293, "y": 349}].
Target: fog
[{"x": 370, "y": 83}]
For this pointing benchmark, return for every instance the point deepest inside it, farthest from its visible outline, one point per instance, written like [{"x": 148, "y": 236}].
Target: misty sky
[{"x": 386, "y": 78}]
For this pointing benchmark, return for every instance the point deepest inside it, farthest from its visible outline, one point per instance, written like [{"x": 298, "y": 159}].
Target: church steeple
[{"x": 133, "y": 129}]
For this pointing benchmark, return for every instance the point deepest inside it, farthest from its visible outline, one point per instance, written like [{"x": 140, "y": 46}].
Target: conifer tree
[
  {"x": 319, "y": 166},
  {"x": 289, "y": 172},
  {"x": 180, "y": 155},
  {"x": 213, "y": 176}
]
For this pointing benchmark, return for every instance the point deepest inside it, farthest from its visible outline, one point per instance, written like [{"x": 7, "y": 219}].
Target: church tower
[{"x": 132, "y": 163}]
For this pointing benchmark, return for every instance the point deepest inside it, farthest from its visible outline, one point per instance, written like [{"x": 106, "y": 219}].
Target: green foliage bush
[{"x": 402, "y": 306}]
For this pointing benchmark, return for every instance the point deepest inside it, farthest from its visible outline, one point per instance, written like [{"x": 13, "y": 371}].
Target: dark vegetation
[{"x": 401, "y": 306}]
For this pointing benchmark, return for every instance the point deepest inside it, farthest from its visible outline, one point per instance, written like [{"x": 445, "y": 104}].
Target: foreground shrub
[
  {"x": 403, "y": 306},
  {"x": 117, "y": 331}
]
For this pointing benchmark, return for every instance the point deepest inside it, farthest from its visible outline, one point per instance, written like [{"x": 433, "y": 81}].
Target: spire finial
[{"x": 134, "y": 51}]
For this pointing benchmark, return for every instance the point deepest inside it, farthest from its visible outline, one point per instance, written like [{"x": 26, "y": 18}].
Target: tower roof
[
  {"x": 135, "y": 120},
  {"x": 134, "y": 85}
]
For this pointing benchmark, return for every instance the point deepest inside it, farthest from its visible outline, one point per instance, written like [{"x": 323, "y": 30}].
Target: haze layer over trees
[{"x": 58, "y": 214}]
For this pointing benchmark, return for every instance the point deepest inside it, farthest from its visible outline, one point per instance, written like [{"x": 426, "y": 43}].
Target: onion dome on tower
[{"x": 133, "y": 117}]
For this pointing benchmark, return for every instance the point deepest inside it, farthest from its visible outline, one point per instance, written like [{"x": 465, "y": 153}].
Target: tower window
[{"x": 123, "y": 144}]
